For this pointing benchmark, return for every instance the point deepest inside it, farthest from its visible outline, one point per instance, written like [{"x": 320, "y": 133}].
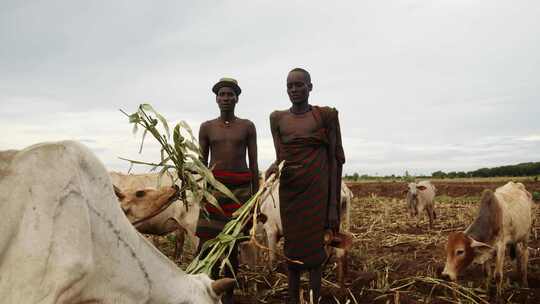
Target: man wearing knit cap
[{"x": 226, "y": 139}]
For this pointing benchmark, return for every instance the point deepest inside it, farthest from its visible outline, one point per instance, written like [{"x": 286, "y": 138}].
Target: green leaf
[
  {"x": 162, "y": 172},
  {"x": 212, "y": 200},
  {"x": 134, "y": 118},
  {"x": 142, "y": 140},
  {"x": 212, "y": 181},
  {"x": 188, "y": 129},
  {"x": 149, "y": 108}
]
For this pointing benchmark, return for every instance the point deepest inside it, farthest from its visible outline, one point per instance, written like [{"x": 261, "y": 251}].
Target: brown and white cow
[
  {"x": 503, "y": 219},
  {"x": 65, "y": 239},
  {"x": 420, "y": 197},
  {"x": 273, "y": 228},
  {"x": 135, "y": 192}
]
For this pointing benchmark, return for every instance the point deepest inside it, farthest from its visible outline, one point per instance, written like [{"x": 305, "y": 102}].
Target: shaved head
[{"x": 306, "y": 74}]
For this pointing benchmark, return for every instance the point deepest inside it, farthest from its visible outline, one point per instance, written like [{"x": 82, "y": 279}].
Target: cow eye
[
  {"x": 460, "y": 252},
  {"x": 140, "y": 193}
]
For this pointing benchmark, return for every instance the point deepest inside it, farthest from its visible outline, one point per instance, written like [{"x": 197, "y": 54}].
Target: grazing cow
[
  {"x": 65, "y": 239},
  {"x": 420, "y": 196},
  {"x": 175, "y": 218},
  {"x": 504, "y": 218},
  {"x": 273, "y": 228}
]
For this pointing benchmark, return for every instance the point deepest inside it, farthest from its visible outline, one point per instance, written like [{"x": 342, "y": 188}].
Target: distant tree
[
  {"x": 523, "y": 169},
  {"x": 438, "y": 174}
]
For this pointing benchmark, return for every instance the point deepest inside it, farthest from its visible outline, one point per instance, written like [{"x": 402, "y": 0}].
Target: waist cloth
[
  {"x": 239, "y": 183},
  {"x": 303, "y": 197}
]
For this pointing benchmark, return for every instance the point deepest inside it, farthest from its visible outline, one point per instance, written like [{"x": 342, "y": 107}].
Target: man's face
[
  {"x": 226, "y": 99},
  {"x": 297, "y": 87}
]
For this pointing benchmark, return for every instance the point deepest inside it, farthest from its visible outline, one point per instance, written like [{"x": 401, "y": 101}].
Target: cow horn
[
  {"x": 222, "y": 285},
  {"x": 475, "y": 243},
  {"x": 118, "y": 192}
]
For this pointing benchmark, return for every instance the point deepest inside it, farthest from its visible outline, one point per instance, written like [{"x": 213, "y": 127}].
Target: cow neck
[{"x": 488, "y": 223}]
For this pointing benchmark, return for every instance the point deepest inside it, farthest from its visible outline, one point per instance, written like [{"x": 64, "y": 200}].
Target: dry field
[{"x": 393, "y": 261}]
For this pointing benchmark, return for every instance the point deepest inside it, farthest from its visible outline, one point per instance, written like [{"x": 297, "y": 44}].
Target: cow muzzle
[{"x": 448, "y": 274}]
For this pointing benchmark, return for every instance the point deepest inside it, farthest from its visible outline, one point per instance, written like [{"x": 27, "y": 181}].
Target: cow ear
[
  {"x": 118, "y": 193},
  {"x": 421, "y": 187},
  {"x": 477, "y": 244}
]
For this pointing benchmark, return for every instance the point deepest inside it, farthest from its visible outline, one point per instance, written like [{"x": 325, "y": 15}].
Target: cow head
[
  {"x": 412, "y": 196},
  {"x": 140, "y": 204},
  {"x": 461, "y": 250}
]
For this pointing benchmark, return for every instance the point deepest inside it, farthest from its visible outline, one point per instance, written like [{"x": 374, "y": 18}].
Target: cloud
[{"x": 420, "y": 85}]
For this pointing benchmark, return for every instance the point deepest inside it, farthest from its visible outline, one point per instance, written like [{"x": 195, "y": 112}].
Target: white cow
[
  {"x": 176, "y": 218},
  {"x": 420, "y": 197},
  {"x": 65, "y": 239},
  {"x": 273, "y": 228},
  {"x": 503, "y": 219}
]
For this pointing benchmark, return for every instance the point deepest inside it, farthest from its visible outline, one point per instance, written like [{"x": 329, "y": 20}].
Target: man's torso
[
  {"x": 228, "y": 144},
  {"x": 293, "y": 126}
]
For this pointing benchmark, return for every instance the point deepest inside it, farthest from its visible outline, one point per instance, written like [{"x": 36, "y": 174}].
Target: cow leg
[
  {"x": 499, "y": 265},
  {"x": 488, "y": 273},
  {"x": 419, "y": 215},
  {"x": 431, "y": 215},
  {"x": 272, "y": 245},
  {"x": 227, "y": 297},
  {"x": 342, "y": 265},
  {"x": 249, "y": 256},
  {"x": 522, "y": 260},
  {"x": 180, "y": 234},
  {"x": 347, "y": 215}
]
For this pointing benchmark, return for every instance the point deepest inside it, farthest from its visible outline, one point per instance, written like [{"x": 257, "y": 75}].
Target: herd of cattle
[{"x": 68, "y": 231}]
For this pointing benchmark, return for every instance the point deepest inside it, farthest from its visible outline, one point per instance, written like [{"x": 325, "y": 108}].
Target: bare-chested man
[
  {"x": 308, "y": 139},
  {"x": 226, "y": 139}
]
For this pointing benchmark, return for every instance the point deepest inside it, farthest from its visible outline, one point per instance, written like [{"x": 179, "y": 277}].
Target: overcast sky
[{"x": 421, "y": 85}]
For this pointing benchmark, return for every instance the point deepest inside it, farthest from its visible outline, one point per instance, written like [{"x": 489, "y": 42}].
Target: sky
[{"x": 420, "y": 85}]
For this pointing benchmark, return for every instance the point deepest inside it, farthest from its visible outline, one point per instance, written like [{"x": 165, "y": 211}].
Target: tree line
[{"x": 523, "y": 169}]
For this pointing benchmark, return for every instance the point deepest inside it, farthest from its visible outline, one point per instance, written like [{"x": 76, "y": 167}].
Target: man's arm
[
  {"x": 333, "y": 216},
  {"x": 204, "y": 143},
  {"x": 252, "y": 156}
]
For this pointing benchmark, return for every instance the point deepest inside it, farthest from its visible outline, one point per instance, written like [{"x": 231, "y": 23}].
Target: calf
[
  {"x": 504, "y": 218},
  {"x": 419, "y": 197},
  {"x": 273, "y": 228},
  {"x": 175, "y": 218}
]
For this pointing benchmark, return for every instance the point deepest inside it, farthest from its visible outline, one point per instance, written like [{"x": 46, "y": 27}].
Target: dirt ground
[
  {"x": 394, "y": 261},
  {"x": 472, "y": 187}
]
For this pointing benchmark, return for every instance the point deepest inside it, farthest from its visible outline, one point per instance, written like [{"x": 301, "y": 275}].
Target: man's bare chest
[
  {"x": 292, "y": 125},
  {"x": 228, "y": 135}
]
